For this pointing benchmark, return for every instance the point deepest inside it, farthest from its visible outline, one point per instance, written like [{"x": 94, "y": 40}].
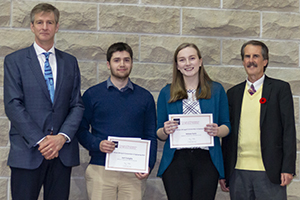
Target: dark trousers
[
  {"x": 51, "y": 174},
  {"x": 191, "y": 176},
  {"x": 254, "y": 185}
]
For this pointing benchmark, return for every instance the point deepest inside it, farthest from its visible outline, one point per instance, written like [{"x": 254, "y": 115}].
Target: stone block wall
[{"x": 154, "y": 28}]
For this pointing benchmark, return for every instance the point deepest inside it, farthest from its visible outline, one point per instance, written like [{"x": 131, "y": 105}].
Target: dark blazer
[
  {"x": 29, "y": 108},
  {"x": 277, "y": 125}
]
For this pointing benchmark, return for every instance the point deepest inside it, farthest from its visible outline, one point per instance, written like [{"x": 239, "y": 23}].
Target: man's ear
[
  {"x": 57, "y": 27},
  {"x": 31, "y": 27},
  {"x": 265, "y": 62}
]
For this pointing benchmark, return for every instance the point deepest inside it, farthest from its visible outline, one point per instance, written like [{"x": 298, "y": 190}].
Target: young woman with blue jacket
[{"x": 191, "y": 173}]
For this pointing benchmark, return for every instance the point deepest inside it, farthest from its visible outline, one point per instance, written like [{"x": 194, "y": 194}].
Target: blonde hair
[
  {"x": 44, "y": 7},
  {"x": 178, "y": 90}
]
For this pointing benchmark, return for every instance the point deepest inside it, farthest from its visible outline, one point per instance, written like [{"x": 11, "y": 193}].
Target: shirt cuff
[
  {"x": 39, "y": 141},
  {"x": 66, "y": 136}
]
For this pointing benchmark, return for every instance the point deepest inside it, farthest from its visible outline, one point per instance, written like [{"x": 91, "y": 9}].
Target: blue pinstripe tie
[{"x": 48, "y": 76}]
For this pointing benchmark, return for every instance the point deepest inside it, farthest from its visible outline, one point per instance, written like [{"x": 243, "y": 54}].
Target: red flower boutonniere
[{"x": 263, "y": 100}]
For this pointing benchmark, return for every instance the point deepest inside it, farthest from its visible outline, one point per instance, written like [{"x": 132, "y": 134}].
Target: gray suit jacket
[{"x": 29, "y": 108}]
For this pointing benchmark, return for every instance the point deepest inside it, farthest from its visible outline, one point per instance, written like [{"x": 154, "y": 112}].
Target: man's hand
[
  {"x": 223, "y": 185},
  {"x": 286, "y": 179},
  {"x": 142, "y": 176},
  {"x": 107, "y": 146},
  {"x": 51, "y": 145}
]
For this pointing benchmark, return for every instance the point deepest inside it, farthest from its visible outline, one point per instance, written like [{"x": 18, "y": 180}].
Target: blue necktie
[{"x": 48, "y": 76}]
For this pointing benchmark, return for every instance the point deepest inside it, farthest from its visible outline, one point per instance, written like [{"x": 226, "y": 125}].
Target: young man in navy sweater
[{"x": 116, "y": 107}]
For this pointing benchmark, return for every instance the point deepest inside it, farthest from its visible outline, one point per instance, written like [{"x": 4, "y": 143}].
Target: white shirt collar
[
  {"x": 39, "y": 50},
  {"x": 257, "y": 83}
]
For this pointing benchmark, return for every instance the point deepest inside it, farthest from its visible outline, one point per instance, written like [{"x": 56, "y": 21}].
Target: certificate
[
  {"x": 190, "y": 131},
  {"x": 130, "y": 155}
]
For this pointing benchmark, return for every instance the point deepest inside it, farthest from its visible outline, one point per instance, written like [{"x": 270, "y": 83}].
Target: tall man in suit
[
  {"x": 44, "y": 111},
  {"x": 260, "y": 152}
]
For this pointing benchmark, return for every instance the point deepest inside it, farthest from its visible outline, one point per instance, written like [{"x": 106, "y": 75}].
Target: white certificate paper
[
  {"x": 130, "y": 155},
  {"x": 190, "y": 131}
]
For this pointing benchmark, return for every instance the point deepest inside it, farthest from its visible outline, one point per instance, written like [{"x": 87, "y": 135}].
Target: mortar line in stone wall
[
  {"x": 299, "y": 54},
  {"x": 180, "y": 21},
  {"x": 221, "y": 50},
  {"x": 11, "y": 14},
  {"x": 155, "y": 6},
  {"x": 187, "y": 7},
  {"x": 77, "y": 177},
  {"x": 298, "y": 179},
  {"x": 180, "y": 36},
  {"x": 153, "y": 63},
  {"x": 162, "y": 34},
  {"x": 98, "y": 20},
  {"x": 261, "y": 25},
  {"x": 98, "y": 71},
  {"x": 139, "y": 4},
  {"x": 299, "y": 108},
  {"x": 139, "y": 54}
]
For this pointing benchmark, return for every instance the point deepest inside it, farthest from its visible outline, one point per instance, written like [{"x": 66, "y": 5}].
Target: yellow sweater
[{"x": 249, "y": 148}]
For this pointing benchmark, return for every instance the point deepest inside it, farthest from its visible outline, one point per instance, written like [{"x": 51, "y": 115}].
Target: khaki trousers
[{"x": 113, "y": 185}]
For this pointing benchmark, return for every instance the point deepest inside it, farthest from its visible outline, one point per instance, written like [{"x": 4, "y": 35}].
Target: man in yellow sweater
[{"x": 260, "y": 151}]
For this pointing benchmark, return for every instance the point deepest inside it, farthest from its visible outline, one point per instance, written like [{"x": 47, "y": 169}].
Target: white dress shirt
[
  {"x": 53, "y": 64},
  {"x": 257, "y": 83},
  {"x": 42, "y": 58}
]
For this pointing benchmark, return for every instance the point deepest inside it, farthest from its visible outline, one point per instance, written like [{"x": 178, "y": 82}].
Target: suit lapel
[
  {"x": 238, "y": 105},
  {"x": 36, "y": 70},
  {"x": 267, "y": 88},
  {"x": 60, "y": 72}
]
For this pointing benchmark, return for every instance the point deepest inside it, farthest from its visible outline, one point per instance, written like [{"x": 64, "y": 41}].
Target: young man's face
[
  {"x": 254, "y": 62},
  {"x": 44, "y": 28},
  {"x": 120, "y": 65}
]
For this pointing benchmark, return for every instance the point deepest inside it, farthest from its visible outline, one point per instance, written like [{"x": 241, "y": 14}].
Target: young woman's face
[{"x": 188, "y": 62}]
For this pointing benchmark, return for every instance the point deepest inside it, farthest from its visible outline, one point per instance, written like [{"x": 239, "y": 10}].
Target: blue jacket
[{"x": 217, "y": 105}]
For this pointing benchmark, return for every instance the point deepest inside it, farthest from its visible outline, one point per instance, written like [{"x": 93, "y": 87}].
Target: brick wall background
[{"x": 154, "y": 28}]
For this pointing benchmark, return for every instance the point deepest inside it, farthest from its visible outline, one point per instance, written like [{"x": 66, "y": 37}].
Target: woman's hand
[
  {"x": 170, "y": 127},
  {"x": 212, "y": 129}
]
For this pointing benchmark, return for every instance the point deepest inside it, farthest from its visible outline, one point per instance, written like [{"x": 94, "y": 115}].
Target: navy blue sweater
[{"x": 110, "y": 112}]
